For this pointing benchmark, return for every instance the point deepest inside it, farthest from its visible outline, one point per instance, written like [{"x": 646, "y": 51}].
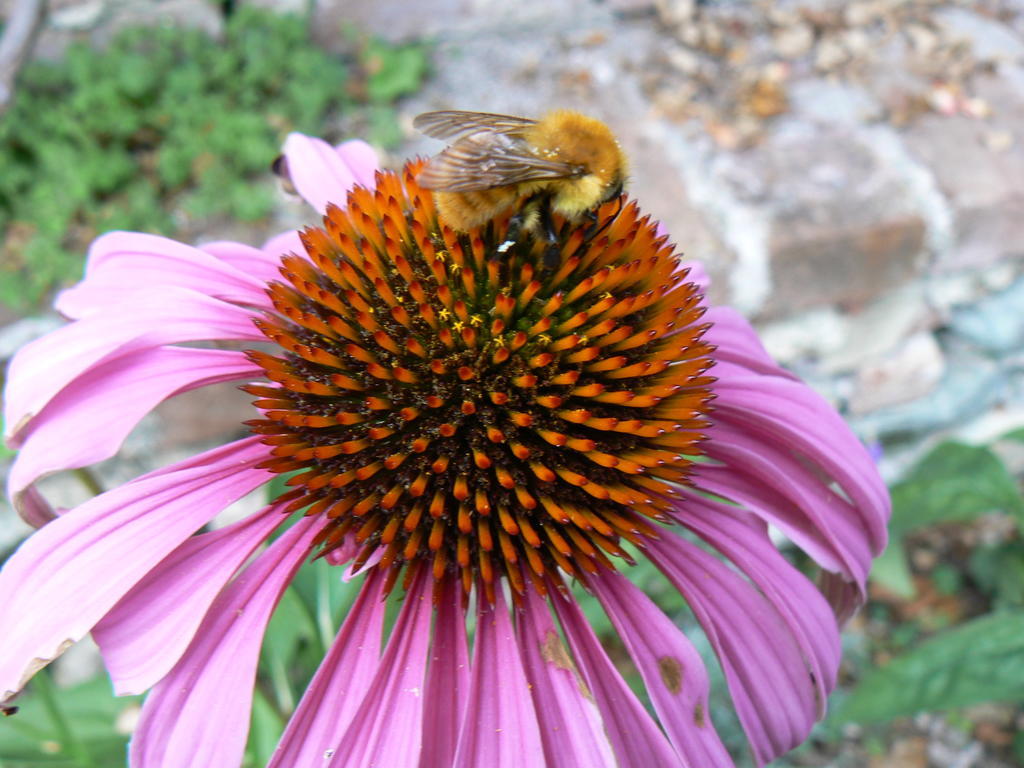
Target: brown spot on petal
[
  {"x": 34, "y": 666},
  {"x": 671, "y": 672},
  {"x": 11, "y": 437},
  {"x": 553, "y": 651},
  {"x": 698, "y": 715}
]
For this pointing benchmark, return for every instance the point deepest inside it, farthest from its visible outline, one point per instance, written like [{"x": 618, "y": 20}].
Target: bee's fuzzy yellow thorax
[
  {"x": 581, "y": 140},
  {"x": 575, "y": 138}
]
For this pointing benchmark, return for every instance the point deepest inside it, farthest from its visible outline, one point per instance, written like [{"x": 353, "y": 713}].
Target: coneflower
[{"x": 472, "y": 429}]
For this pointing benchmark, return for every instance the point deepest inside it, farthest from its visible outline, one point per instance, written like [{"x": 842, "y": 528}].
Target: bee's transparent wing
[
  {"x": 450, "y": 124},
  {"x": 487, "y": 160}
]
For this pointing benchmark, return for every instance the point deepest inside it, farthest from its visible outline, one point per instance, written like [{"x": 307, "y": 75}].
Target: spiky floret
[{"x": 449, "y": 404}]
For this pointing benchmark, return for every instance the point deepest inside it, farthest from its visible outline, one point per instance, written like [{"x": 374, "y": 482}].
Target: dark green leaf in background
[
  {"x": 954, "y": 482},
  {"x": 978, "y": 661},
  {"x": 95, "y": 716}
]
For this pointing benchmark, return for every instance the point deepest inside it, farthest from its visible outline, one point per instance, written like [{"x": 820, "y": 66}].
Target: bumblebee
[{"x": 565, "y": 162}]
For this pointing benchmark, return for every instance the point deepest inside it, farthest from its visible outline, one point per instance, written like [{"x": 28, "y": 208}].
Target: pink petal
[
  {"x": 145, "y": 634},
  {"x": 263, "y": 265},
  {"x": 697, "y": 274},
  {"x": 745, "y": 541},
  {"x": 768, "y": 678},
  {"x": 500, "y": 727},
  {"x": 758, "y": 472},
  {"x": 199, "y": 714},
  {"x": 361, "y": 159},
  {"x": 672, "y": 670},
  {"x": 570, "y": 723},
  {"x": 801, "y": 507},
  {"x": 737, "y": 342},
  {"x": 351, "y": 572},
  {"x": 33, "y": 508},
  {"x": 447, "y": 681},
  {"x": 105, "y": 403},
  {"x": 320, "y": 173},
  {"x": 844, "y": 596},
  {"x": 143, "y": 320},
  {"x": 637, "y": 740},
  {"x": 79, "y": 565},
  {"x": 345, "y": 551},
  {"x": 286, "y": 242},
  {"x": 791, "y": 414},
  {"x": 339, "y": 685},
  {"x": 387, "y": 728},
  {"x": 121, "y": 263}
]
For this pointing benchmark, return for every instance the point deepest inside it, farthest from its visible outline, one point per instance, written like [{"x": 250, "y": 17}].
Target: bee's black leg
[
  {"x": 552, "y": 254},
  {"x": 518, "y": 223},
  {"x": 515, "y": 228},
  {"x": 592, "y": 230}
]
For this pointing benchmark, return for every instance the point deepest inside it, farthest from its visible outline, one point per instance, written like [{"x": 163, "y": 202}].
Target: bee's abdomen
[{"x": 464, "y": 210}]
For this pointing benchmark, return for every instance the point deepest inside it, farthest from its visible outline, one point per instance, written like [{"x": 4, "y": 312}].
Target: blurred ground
[{"x": 851, "y": 173}]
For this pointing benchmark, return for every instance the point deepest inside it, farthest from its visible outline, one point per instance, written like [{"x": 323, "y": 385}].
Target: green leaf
[
  {"x": 30, "y": 737},
  {"x": 383, "y": 126},
  {"x": 999, "y": 571},
  {"x": 166, "y": 128},
  {"x": 267, "y": 727},
  {"x": 1017, "y": 435},
  {"x": 290, "y": 625},
  {"x": 975, "y": 662},
  {"x": 394, "y": 72},
  {"x": 892, "y": 571},
  {"x": 954, "y": 482}
]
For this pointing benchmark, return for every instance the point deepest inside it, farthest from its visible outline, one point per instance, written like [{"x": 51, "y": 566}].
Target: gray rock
[
  {"x": 842, "y": 225},
  {"x": 994, "y": 324},
  {"x": 829, "y": 101},
  {"x": 972, "y": 385},
  {"x": 79, "y": 16},
  {"x": 909, "y": 372},
  {"x": 988, "y": 38},
  {"x": 982, "y": 186}
]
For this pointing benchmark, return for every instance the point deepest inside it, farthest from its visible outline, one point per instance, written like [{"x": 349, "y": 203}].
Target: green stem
[
  {"x": 310, "y": 612},
  {"x": 89, "y": 481},
  {"x": 268, "y": 690},
  {"x": 283, "y": 697},
  {"x": 48, "y": 695},
  {"x": 324, "y": 620}
]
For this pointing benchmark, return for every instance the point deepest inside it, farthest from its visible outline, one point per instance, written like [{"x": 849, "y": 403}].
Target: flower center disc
[{"x": 451, "y": 404}]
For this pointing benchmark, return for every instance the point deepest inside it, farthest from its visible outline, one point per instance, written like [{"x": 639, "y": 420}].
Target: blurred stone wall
[{"x": 851, "y": 173}]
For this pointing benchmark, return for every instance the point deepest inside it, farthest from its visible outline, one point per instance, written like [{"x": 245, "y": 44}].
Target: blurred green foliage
[
  {"x": 80, "y": 726},
  {"x": 974, "y": 662},
  {"x": 166, "y": 129},
  {"x": 978, "y": 659}
]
